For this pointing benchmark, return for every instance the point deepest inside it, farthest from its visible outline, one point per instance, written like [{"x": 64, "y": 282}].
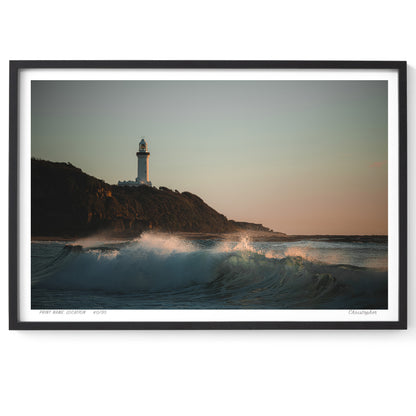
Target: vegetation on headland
[{"x": 66, "y": 202}]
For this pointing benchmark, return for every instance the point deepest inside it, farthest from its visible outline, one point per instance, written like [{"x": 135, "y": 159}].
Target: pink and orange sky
[{"x": 301, "y": 157}]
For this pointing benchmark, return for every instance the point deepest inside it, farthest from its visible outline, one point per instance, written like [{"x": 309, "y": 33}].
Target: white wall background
[{"x": 207, "y": 373}]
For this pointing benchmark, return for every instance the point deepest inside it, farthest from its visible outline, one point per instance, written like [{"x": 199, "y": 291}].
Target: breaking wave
[{"x": 163, "y": 271}]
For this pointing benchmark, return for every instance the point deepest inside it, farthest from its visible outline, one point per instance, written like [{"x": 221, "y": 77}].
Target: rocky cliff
[{"x": 66, "y": 202}]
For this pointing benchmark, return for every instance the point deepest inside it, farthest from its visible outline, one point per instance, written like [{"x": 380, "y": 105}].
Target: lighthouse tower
[
  {"x": 142, "y": 167},
  {"x": 143, "y": 164}
]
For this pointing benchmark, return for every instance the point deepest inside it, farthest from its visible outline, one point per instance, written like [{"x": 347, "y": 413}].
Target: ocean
[{"x": 161, "y": 271}]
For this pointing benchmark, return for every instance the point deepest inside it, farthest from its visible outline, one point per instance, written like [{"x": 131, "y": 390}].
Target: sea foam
[{"x": 225, "y": 274}]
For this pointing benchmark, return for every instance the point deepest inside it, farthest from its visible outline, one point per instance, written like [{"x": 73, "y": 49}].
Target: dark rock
[{"x": 68, "y": 202}]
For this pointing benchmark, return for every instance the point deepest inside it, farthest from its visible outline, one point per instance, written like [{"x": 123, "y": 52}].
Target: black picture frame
[{"x": 17, "y": 66}]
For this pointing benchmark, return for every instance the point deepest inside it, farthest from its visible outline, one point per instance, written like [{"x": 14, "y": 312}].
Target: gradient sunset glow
[{"x": 300, "y": 157}]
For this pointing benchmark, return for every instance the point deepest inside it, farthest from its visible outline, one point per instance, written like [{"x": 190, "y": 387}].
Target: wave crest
[{"x": 238, "y": 274}]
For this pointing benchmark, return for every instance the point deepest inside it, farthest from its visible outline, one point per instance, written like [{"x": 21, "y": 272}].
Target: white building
[{"x": 142, "y": 167}]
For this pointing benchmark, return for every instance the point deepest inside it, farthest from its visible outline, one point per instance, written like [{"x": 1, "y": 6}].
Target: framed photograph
[{"x": 208, "y": 195}]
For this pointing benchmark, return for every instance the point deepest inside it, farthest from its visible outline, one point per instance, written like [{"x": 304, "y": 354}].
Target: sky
[{"x": 300, "y": 157}]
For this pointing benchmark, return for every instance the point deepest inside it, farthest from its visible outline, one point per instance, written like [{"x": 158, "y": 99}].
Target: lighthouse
[
  {"x": 143, "y": 164},
  {"x": 142, "y": 167}
]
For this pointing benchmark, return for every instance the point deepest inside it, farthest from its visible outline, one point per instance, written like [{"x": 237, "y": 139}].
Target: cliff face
[{"x": 66, "y": 202}]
